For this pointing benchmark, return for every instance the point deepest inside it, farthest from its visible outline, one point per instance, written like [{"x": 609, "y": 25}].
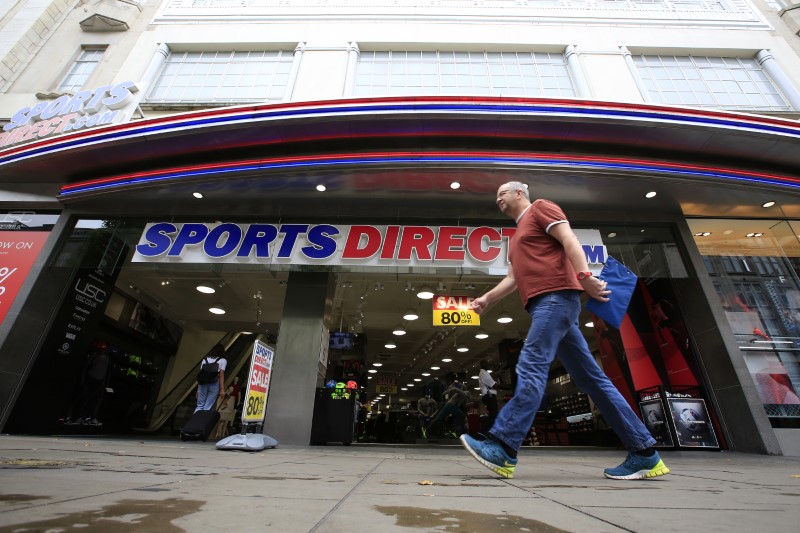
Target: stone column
[{"x": 296, "y": 367}]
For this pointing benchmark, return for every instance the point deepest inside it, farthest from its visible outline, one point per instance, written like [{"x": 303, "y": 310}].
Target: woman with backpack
[{"x": 211, "y": 378}]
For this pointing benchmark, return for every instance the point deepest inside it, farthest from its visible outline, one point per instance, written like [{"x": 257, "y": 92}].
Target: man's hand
[
  {"x": 596, "y": 288},
  {"x": 479, "y": 304}
]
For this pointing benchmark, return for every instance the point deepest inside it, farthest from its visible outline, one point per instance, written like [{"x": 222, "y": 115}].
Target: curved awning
[{"x": 414, "y": 147}]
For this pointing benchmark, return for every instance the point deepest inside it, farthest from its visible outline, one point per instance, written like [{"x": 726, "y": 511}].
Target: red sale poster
[{"x": 18, "y": 251}]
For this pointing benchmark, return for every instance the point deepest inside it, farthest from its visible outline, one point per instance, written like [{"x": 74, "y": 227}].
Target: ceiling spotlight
[
  {"x": 399, "y": 330},
  {"x": 217, "y": 309},
  {"x": 768, "y": 204},
  {"x": 425, "y": 293},
  {"x": 321, "y": 188},
  {"x": 410, "y": 315},
  {"x": 205, "y": 289},
  {"x": 417, "y": 379},
  {"x": 426, "y": 374},
  {"x": 197, "y": 195},
  {"x": 651, "y": 194},
  {"x": 504, "y": 318},
  {"x": 462, "y": 349},
  {"x": 377, "y": 364},
  {"x": 455, "y": 185},
  {"x": 390, "y": 345},
  {"x": 434, "y": 368},
  {"x": 446, "y": 360},
  {"x": 481, "y": 334},
  {"x": 372, "y": 371}
]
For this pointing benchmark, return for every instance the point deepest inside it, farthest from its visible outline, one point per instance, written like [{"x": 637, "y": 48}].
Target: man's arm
[
  {"x": 506, "y": 286},
  {"x": 594, "y": 287}
]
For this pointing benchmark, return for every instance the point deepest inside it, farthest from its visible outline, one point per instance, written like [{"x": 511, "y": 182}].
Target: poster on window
[
  {"x": 18, "y": 251},
  {"x": 692, "y": 423},
  {"x": 654, "y": 418}
]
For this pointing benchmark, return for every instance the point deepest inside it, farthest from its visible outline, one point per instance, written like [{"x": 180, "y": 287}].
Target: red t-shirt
[{"x": 538, "y": 260}]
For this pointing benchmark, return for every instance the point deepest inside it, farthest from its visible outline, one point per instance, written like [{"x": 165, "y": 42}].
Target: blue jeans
[
  {"x": 554, "y": 332},
  {"x": 207, "y": 394}
]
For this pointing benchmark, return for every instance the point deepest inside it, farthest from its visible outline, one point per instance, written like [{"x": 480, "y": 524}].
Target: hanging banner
[
  {"x": 454, "y": 311},
  {"x": 255, "y": 398}
]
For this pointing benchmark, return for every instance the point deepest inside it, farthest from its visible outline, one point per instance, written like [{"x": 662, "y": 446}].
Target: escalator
[{"x": 174, "y": 408}]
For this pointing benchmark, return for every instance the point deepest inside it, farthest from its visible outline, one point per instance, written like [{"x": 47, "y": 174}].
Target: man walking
[{"x": 549, "y": 269}]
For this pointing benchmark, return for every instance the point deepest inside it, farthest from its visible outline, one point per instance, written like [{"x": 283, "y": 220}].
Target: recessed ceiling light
[
  {"x": 434, "y": 368},
  {"x": 377, "y": 364},
  {"x": 372, "y": 371},
  {"x": 425, "y": 293},
  {"x": 589, "y": 324},
  {"x": 217, "y": 309},
  {"x": 651, "y": 194},
  {"x": 403, "y": 388},
  {"x": 446, "y": 360},
  {"x": 417, "y": 379},
  {"x": 474, "y": 377},
  {"x": 481, "y": 334},
  {"x": 455, "y": 185},
  {"x": 390, "y": 345},
  {"x": 462, "y": 349},
  {"x": 612, "y": 235},
  {"x": 197, "y": 195},
  {"x": 426, "y": 374},
  {"x": 321, "y": 188},
  {"x": 205, "y": 289},
  {"x": 504, "y": 318},
  {"x": 410, "y": 315},
  {"x": 768, "y": 204}
]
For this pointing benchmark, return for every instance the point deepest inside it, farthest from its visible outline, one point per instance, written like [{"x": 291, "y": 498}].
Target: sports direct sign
[
  {"x": 327, "y": 244},
  {"x": 84, "y": 109}
]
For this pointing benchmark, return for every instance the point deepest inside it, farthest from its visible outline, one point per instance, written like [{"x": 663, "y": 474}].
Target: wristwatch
[{"x": 584, "y": 275}]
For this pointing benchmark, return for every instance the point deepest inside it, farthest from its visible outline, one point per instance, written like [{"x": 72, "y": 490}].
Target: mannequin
[{"x": 435, "y": 389}]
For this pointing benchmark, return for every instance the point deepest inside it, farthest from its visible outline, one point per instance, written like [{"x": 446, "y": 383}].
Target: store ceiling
[{"x": 371, "y": 305}]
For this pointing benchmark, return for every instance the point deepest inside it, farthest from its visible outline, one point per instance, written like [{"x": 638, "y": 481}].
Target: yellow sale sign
[{"x": 454, "y": 311}]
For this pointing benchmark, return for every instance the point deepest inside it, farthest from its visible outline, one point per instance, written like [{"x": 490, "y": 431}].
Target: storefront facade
[{"x": 263, "y": 199}]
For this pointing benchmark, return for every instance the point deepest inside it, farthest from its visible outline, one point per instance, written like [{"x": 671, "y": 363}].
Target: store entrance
[{"x": 154, "y": 321}]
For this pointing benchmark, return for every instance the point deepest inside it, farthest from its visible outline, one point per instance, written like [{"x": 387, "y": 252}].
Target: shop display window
[{"x": 754, "y": 267}]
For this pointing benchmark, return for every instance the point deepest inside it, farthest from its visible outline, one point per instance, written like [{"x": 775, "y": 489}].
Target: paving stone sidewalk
[{"x": 164, "y": 485}]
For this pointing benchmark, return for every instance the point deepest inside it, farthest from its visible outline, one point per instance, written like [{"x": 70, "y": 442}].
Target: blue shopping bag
[{"x": 621, "y": 282}]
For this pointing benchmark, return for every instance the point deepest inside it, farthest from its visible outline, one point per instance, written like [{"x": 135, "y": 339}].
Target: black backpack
[{"x": 209, "y": 371}]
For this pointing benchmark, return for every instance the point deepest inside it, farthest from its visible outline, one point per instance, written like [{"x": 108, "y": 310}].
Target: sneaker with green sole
[
  {"x": 638, "y": 467},
  {"x": 491, "y": 455}
]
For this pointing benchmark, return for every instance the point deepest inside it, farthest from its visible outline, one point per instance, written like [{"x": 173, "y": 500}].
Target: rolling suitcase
[{"x": 200, "y": 425}]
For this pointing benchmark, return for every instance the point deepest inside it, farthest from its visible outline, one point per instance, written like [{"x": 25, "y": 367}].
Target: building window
[
  {"x": 462, "y": 73},
  {"x": 225, "y": 77},
  {"x": 732, "y": 83},
  {"x": 81, "y": 70}
]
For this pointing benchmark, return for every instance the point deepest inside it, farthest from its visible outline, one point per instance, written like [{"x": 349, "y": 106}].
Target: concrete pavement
[{"x": 129, "y": 484}]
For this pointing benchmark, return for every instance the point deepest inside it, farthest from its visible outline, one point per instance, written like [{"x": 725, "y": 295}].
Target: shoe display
[
  {"x": 491, "y": 455},
  {"x": 638, "y": 467}
]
